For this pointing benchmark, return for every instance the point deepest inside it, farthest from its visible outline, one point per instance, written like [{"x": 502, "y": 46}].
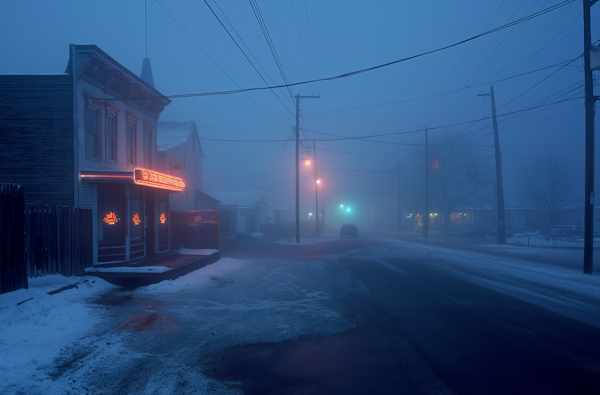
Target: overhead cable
[
  {"x": 363, "y": 138},
  {"x": 361, "y": 71}
]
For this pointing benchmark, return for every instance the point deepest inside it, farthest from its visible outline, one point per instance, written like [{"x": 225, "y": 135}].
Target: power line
[
  {"x": 249, "y": 160},
  {"x": 206, "y": 53},
  {"x": 460, "y": 61},
  {"x": 242, "y": 51},
  {"x": 365, "y": 70},
  {"x": 391, "y": 156},
  {"x": 531, "y": 87},
  {"x": 270, "y": 44},
  {"x": 299, "y": 38},
  {"x": 559, "y": 64},
  {"x": 364, "y": 138},
  {"x": 283, "y": 40}
]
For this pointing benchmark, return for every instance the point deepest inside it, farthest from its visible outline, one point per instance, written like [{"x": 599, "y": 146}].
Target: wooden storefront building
[{"x": 86, "y": 138}]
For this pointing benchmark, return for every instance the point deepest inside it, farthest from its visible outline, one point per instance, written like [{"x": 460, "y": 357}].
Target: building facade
[
  {"x": 87, "y": 138},
  {"x": 180, "y": 154},
  {"x": 252, "y": 209}
]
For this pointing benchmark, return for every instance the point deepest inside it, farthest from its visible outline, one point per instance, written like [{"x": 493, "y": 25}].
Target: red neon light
[
  {"x": 206, "y": 216},
  {"x": 163, "y": 218},
  {"x": 136, "y": 219},
  {"x": 103, "y": 176},
  {"x": 157, "y": 180},
  {"x": 111, "y": 218}
]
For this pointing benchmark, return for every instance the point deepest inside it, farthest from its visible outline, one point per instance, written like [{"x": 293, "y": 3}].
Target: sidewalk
[{"x": 154, "y": 270}]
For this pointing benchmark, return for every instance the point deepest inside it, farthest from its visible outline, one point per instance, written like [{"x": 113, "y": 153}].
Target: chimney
[{"x": 147, "y": 72}]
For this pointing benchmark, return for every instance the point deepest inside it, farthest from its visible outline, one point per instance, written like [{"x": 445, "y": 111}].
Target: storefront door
[{"x": 150, "y": 214}]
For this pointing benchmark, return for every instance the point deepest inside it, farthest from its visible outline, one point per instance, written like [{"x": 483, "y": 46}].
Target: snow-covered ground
[
  {"x": 35, "y": 332},
  {"x": 142, "y": 341},
  {"x": 311, "y": 238},
  {"x": 97, "y": 338}
]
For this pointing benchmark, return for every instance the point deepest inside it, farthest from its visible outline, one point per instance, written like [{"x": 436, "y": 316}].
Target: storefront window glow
[{"x": 111, "y": 218}]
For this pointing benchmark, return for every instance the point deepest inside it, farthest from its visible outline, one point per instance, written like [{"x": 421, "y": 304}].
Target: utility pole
[
  {"x": 590, "y": 100},
  {"x": 323, "y": 212},
  {"x": 501, "y": 226},
  {"x": 425, "y": 219},
  {"x": 399, "y": 204},
  {"x": 316, "y": 187},
  {"x": 298, "y": 97}
]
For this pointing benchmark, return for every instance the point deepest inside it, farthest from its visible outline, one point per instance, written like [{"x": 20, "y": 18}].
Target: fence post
[{"x": 13, "y": 266}]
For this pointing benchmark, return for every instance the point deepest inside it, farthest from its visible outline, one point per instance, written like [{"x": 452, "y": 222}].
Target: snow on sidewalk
[{"x": 35, "y": 331}]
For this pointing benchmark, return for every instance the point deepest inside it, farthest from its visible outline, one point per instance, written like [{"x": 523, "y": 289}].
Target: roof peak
[{"x": 146, "y": 73}]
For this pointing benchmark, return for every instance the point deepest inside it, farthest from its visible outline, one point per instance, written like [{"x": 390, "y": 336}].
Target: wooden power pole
[
  {"x": 399, "y": 203},
  {"x": 316, "y": 187},
  {"x": 501, "y": 224},
  {"x": 298, "y": 97},
  {"x": 425, "y": 218},
  {"x": 588, "y": 240}
]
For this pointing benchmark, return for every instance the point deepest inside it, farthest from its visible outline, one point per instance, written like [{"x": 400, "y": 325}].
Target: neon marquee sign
[{"x": 157, "y": 180}]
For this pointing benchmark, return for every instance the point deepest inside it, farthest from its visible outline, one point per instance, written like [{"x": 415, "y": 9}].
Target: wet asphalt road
[{"x": 420, "y": 330}]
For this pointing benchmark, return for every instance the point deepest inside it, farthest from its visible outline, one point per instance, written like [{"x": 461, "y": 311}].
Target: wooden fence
[
  {"x": 58, "y": 240},
  {"x": 195, "y": 229},
  {"x": 13, "y": 270}
]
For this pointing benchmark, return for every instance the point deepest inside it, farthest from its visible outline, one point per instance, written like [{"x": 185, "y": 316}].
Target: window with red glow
[{"x": 111, "y": 200}]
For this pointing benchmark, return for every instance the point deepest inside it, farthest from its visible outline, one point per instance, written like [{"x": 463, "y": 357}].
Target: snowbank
[
  {"x": 188, "y": 251},
  {"x": 198, "y": 277},
  {"x": 34, "y": 332},
  {"x": 133, "y": 269}
]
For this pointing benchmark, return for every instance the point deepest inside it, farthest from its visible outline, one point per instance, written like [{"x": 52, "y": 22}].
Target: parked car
[
  {"x": 566, "y": 231},
  {"x": 479, "y": 231},
  {"x": 348, "y": 230}
]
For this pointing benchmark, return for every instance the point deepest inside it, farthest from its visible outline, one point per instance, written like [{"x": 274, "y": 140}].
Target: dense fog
[{"x": 368, "y": 129}]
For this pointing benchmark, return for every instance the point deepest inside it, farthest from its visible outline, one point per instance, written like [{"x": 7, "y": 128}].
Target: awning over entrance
[{"x": 139, "y": 176}]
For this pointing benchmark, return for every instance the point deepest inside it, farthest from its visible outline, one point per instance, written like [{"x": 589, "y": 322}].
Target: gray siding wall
[
  {"x": 188, "y": 157},
  {"x": 87, "y": 88},
  {"x": 36, "y": 136}
]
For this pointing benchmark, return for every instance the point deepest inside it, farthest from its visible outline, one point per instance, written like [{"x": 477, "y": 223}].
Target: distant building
[
  {"x": 87, "y": 138},
  {"x": 252, "y": 209},
  {"x": 180, "y": 154}
]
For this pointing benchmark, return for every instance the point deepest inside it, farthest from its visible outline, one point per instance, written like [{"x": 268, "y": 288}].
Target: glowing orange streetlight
[
  {"x": 307, "y": 162},
  {"x": 318, "y": 181}
]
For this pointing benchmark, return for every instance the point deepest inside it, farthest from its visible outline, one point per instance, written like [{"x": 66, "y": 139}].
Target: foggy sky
[{"x": 321, "y": 39}]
